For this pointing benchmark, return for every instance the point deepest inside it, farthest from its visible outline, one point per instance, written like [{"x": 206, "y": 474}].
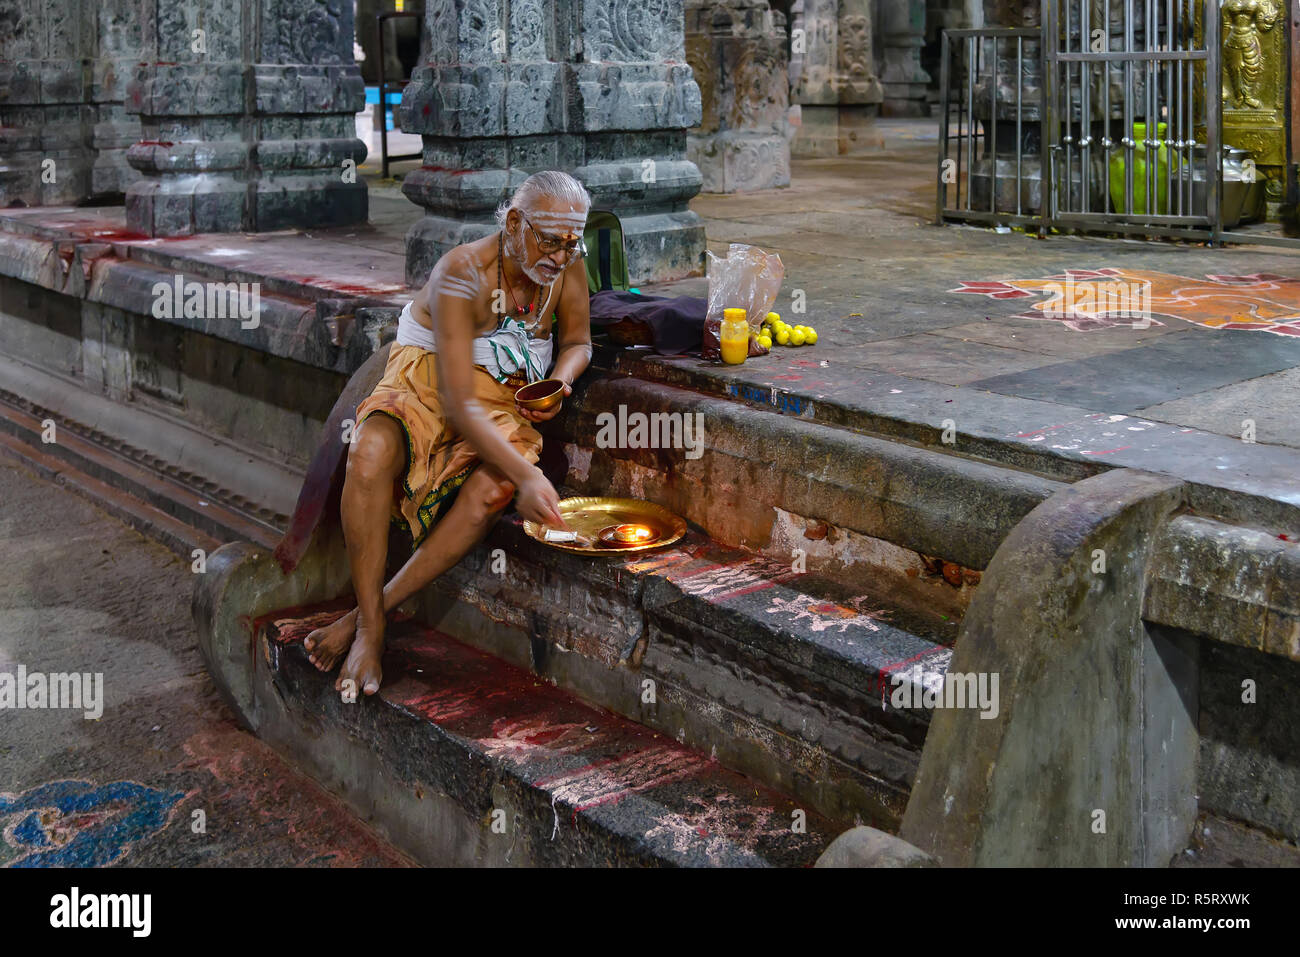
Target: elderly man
[{"x": 441, "y": 445}]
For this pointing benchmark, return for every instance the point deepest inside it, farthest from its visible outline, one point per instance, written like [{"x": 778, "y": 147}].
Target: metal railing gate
[
  {"x": 1107, "y": 118},
  {"x": 983, "y": 173},
  {"x": 1126, "y": 95}
]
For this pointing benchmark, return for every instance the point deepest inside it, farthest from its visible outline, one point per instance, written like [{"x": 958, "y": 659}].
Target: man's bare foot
[
  {"x": 327, "y": 646},
  {"x": 363, "y": 662}
]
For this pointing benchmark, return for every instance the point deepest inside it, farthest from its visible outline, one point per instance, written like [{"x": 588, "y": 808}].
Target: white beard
[{"x": 532, "y": 272}]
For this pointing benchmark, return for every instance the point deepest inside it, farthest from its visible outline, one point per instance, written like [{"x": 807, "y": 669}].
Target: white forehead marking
[{"x": 570, "y": 220}]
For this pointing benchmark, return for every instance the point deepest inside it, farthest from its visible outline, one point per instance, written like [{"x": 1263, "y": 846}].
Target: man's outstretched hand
[
  {"x": 533, "y": 416},
  {"x": 537, "y": 501}
]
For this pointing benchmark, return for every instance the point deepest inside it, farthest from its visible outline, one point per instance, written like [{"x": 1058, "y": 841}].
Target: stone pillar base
[
  {"x": 170, "y": 208},
  {"x": 648, "y": 199},
  {"x": 226, "y": 202},
  {"x": 905, "y": 99},
  {"x": 835, "y": 130},
  {"x": 34, "y": 134},
  {"x": 432, "y": 237},
  {"x": 114, "y": 130},
  {"x": 112, "y": 136},
  {"x": 254, "y": 130},
  {"x": 598, "y": 89},
  {"x": 659, "y": 246},
  {"x": 733, "y": 161},
  {"x": 664, "y": 246}
]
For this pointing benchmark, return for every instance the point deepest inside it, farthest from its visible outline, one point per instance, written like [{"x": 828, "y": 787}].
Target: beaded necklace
[{"x": 524, "y": 310}]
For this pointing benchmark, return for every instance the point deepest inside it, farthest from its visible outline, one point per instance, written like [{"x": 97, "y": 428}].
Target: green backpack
[{"x": 606, "y": 256}]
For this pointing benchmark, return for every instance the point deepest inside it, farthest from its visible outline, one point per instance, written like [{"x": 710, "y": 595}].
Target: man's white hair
[{"x": 557, "y": 186}]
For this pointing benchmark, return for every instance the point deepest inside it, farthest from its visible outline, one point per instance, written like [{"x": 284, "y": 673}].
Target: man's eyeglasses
[{"x": 549, "y": 244}]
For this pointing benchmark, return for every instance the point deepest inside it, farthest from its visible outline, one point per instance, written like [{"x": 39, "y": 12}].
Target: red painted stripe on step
[
  {"x": 584, "y": 769},
  {"x": 747, "y": 590},
  {"x": 916, "y": 657},
  {"x": 644, "y": 786},
  {"x": 883, "y": 674},
  {"x": 510, "y": 715}
]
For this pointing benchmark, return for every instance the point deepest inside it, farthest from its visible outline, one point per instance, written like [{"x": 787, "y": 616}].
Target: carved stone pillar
[
  {"x": 860, "y": 90},
  {"x": 834, "y": 83},
  {"x": 45, "y": 57},
  {"x": 904, "y": 81},
  {"x": 598, "y": 88},
  {"x": 117, "y": 52},
  {"x": 248, "y": 113},
  {"x": 736, "y": 49}
]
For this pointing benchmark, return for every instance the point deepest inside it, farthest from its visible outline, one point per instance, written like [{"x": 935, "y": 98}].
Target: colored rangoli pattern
[
  {"x": 79, "y": 823},
  {"x": 1263, "y": 302}
]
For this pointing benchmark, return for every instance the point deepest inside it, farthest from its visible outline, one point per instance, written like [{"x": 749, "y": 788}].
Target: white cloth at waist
[{"x": 506, "y": 350}]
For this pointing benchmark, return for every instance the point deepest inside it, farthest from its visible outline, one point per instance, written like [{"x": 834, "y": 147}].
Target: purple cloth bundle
[{"x": 676, "y": 324}]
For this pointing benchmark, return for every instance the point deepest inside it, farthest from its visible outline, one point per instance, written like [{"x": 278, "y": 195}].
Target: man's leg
[
  {"x": 375, "y": 459},
  {"x": 480, "y": 501}
]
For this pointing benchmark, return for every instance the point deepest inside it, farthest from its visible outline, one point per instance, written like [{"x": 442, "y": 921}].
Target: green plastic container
[{"x": 1140, "y": 161}]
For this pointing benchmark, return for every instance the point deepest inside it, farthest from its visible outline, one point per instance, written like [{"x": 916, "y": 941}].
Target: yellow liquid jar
[{"x": 733, "y": 336}]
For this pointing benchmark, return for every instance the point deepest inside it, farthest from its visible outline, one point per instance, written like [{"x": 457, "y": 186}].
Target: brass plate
[{"x": 587, "y": 515}]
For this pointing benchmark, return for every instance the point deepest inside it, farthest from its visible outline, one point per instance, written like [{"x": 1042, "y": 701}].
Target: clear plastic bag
[{"x": 748, "y": 279}]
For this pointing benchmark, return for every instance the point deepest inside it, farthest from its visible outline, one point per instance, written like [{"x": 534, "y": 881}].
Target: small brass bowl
[
  {"x": 628, "y": 535},
  {"x": 634, "y": 533},
  {"x": 541, "y": 396}
]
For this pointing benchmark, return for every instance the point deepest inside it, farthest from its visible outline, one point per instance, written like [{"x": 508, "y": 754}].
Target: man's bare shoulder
[
  {"x": 459, "y": 274},
  {"x": 460, "y": 261}
]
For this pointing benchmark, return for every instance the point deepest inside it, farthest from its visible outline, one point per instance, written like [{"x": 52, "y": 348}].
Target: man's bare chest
[{"x": 489, "y": 312}]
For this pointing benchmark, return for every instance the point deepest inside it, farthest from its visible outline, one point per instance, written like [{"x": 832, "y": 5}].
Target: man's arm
[
  {"x": 573, "y": 335},
  {"x": 454, "y": 334}
]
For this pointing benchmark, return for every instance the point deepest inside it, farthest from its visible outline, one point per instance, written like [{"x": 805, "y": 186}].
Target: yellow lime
[
  {"x": 783, "y": 337},
  {"x": 796, "y": 337},
  {"x": 772, "y": 317},
  {"x": 765, "y": 342},
  {"x": 811, "y": 337}
]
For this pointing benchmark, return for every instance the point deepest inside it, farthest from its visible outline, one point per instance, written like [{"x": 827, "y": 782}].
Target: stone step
[
  {"x": 783, "y": 675},
  {"x": 181, "y": 509},
  {"x": 144, "y": 518},
  {"x": 462, "y": 758},
  {"x": 913, "y": 526}
]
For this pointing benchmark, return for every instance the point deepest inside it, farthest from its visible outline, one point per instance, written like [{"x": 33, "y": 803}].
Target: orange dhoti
[{"x": 438, "y": 458}]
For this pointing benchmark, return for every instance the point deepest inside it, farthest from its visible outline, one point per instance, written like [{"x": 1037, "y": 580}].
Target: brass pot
[{"x": 542, "y": 395}]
